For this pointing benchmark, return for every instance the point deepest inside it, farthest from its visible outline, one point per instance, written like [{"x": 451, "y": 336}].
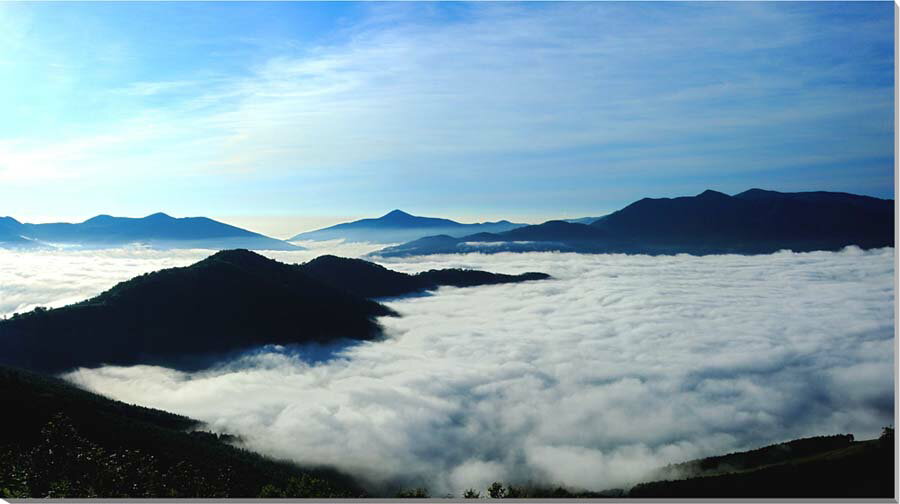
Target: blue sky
[{"x": 282, "y": 116}]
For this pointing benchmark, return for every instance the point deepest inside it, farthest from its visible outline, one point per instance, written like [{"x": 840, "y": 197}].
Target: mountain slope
[
  {"x": 58, "y": 440},
  {"x": 818, "y": 467},
  {"x": 157, "y": 230},
  {"x": 228, "y": 301},
  {"x": 752, "y": 222},
  {"x": 11, "y": 235},
  {"x": 824, "y": 467},
  {"x": 398, "y": 226},
  {"x": 583, "y": 220},
  {"x": 755, "y": 220},
  {"x": 367, "y": 279}
]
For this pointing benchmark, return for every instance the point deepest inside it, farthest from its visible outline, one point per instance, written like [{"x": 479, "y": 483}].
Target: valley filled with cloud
[{"x": 618, "y": 365}]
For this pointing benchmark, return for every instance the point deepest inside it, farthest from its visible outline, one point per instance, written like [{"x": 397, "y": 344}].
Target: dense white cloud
[{"x": 616, "y": 366}]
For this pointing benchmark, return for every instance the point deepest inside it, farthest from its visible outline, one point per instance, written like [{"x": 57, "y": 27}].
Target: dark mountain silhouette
[
  {"x": 367, "y": 279},
  {"x": 230, "y": 301},
  {"x": 752, "y": 222},
  {"x": 583, "y": 220},
  {"x": 755, "y": 221},
  {"x": 818, "y": 467},
  {"x": 398, "y": 226},
  {"x": 821, "y": 467},
  {"x": 60, "y": 441},
  {"x": 158, "y": 230}
]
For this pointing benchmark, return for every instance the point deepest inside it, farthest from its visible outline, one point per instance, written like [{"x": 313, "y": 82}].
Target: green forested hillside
[
  {"x": 60, "y": 441},
  {"x": 830, "y": 466}
]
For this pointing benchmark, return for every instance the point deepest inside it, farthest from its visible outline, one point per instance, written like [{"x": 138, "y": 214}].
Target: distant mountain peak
[
  {"x": 756, "y": 192},
  {"x": 396, "y": 214},
  {"x": 398, "y": 226},
  {"x": 159, "y": 216},
  {"x": 709, "y": 193},
  {"x": 99, "y": 218}
]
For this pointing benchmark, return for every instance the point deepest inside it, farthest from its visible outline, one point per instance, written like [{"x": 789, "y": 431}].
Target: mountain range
[
  {"x": 157, "y": 230},
  {"x": 752, "y": 222},
  {"x": 230, "y": 301},
  {"x": 398, "y": 226}
]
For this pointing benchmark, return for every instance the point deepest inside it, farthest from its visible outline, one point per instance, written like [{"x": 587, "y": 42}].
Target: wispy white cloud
[
  {"x": 152, "y": 88},
  {"x": 581, "y": 90}
]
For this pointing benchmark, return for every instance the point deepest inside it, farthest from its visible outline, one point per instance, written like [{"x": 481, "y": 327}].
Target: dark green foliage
[
  {"x": 304, "y": 487},
  {"x": 66, "y": 464},
  {"x": 63, "y": 441},
  {"x": 469, "y": 278},
  {"x": 370, "y": 280},
  {"x": 498, "y": 491},
  {"x": 759, "y": 457},
  {"x": 415, "y": 493},
  {"x": 471, "y": 493},
  {"x": 229, "y": 301},
  {"x": 513, "y": 492},
  {"x": 860, "y": 470},
  {"x": 362, "y": 278}
]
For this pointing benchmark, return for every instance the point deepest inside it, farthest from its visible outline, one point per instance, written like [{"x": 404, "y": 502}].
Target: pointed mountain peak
[
  {"x": 10, "y": 220},
  {"x": 709, "y": 193},
  {"x": 396, "y": 214},
  {"x": 159, "y": 216}
]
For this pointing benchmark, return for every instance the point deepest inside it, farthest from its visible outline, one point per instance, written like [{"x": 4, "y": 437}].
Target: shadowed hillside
[
  {"x": 818, "y": 467},
  {"x": 230, "y": 301},
  {"x": 60, "y": 441},
  {"x": 825, "y": 467},
  {"x": 752, "y": 222},
  {"x": 368, "y": 279}
]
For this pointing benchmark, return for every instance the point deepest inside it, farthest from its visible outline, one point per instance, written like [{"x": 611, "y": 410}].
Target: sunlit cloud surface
[{"x": 618, "y": 365}]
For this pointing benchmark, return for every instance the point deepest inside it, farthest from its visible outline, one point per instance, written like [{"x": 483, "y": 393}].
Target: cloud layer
[{"x": 619, "y": 365}]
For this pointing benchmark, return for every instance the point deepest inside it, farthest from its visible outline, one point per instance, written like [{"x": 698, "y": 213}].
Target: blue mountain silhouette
[
  {"x": 398, "y": 226},
  {"x": 752, "y": 222},
  {"x": 158, "y": 230}
]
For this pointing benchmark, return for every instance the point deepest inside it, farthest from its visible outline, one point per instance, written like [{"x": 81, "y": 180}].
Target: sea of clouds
[{"x": 618, "y": 365}]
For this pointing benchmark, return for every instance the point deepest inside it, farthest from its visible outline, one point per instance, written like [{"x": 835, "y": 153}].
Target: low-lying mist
[{"x": 618, "y": 365}]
